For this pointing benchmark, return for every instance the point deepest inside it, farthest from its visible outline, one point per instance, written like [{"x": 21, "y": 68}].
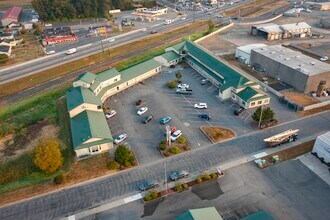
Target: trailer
[{"x": 282, "y": 138}]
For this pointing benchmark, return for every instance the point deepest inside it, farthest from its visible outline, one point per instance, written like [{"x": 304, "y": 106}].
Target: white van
[{"x": 71, "y": 51}]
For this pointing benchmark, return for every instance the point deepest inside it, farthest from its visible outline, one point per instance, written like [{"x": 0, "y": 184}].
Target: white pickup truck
[{"x": 71, "y": 51}]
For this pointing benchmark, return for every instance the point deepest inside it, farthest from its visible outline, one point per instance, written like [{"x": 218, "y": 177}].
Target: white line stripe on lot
[
  {"x": 262, "y": 154},
  {"x": 133, "y": 198}
]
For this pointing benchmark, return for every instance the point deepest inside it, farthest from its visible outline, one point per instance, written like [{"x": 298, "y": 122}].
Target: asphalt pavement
[{"x": 87, "y": 195}]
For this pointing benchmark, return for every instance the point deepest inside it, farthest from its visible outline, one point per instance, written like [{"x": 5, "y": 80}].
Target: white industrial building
[
  {"x": 243, "y": 53},
  {"x": 322, "y": 147}
]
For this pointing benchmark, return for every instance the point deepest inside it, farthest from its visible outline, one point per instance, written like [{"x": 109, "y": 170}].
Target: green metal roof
[
  {"x": 178, "y": 47},
  {"x": 104, "y": 76},
  {"x": 261, "y": 215},
  {"x": 209, "y": 213},
  {"x": 248, "y": 93},
  {"x": 170, "y": 56},
  {"x": 87, "y": 125},
  {"x": 78, "y": 95},
  {"x": 131, "y": 73},
  {"x": 87, "y": 77}
]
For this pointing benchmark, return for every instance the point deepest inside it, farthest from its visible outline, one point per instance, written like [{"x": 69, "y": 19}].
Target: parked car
[
  {"x": 239, "y": 111},
  {"x": 176, "y": 135},
  {"x": 184, "y": 91},
  {"x": 147, "y": 119},
  {"x": 153, "y": 32},
  {"x": 110, "y": 114},
  {"x": 165, "y": 120},
  {"x": 325, "y": 58},
  {"x": 148, "y": 185},
  {"x": 179, "y": 175},
  {"x": 50, "y": 52},
  {"x": 71, "y": 51},
  {"x": 111, "y": 40},
  {"x": 204, "y": 81},
  {"x": 205, "y": 116},
  {"x": 142, "y": 110},
  {"x": 200, "y": 105},
  {"x": 120, "y": 138},
  {"x": 183, "y": 86}
]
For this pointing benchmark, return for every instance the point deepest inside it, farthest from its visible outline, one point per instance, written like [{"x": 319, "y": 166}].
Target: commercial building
[
  {"x": 149, "y": 14},
  {"x": 243, "y": 53},
  {"x": 58, "y": 35},
  {"x": 302, "y": 72},
  {"x": 232, "y": 85},
  {"x": 271, "y": 31},
  {"x": 11, "y": 15},
  {"x": 89, "y": 129},
  {"x": 322, "y": 147},
  {"x": 5, "y": 49},
  {"x": 322, "y": 6}
]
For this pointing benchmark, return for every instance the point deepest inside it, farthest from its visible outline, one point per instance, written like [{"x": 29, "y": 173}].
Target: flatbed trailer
[{"x": 282, "y": 138}]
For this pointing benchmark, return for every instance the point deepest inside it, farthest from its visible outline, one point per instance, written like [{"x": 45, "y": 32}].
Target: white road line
[{"x": 133, "y": 198}]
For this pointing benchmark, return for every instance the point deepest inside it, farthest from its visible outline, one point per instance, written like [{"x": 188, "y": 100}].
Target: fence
[
  {"x": 317, "y": 105},
  {"x": 215, "y": 32}
]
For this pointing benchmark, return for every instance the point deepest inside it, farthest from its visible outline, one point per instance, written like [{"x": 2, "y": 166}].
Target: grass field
[
  {"x": 38, "y": 78},
  {"x": 5, "y": 4}
]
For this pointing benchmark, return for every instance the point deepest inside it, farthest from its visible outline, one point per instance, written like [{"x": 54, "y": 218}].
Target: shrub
[
  {"x": 207, "y": 176},
  {"x": 166, "y": 154},
  {"x": 162, "y": 145},
  {"x": 181, "y": 140},
  {"x": 185, "y": 186},
  {"x": 171, "y": 84},
  {"x": 178, "y": 187},
  {"x": 148, "y": 197},
  {"x": 199, "y": 180},
  {"x": 123, "y": 154},
  {"x": 4, "y": 58},
  {"x": 113, "y": 165},
  {"x": 213, "y": 175},
  {"x": 178, "y": 75},
  {"x": 127, "y": 164},
  {"x": 59, "y": 179},
  {"x": 48, "y": 156},
  {"x": 175, "y": 150},
  {"x": 186, "y": 148}
]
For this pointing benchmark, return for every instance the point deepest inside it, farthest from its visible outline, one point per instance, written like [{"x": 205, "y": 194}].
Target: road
[
  {"x": 85, "y": 196},
  {"x": 34, "y": 66}
]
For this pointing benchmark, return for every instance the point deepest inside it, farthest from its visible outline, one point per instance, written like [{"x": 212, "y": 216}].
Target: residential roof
[
  {"x": 13, "y": 12},
  {"x": 131, "y": 73},
  {"x": 4, "y": 48},
  {"x": 247, "y": 48},
  {"x": 178, "y": 47},
  {"x": 170, "y": 56},
  {"x": 269, "y": 28},
  {"x": 261, "y": 215},
  {"x": 87, "y": 125},
  {"x": 295, "y": 26},
  {"x": 78, "y": 95},
  {"x": 104, "y": 76},
  {"x": 293, "y": 59},
  {"x": 87, "y": 77},
  {"x": 209, "y": 213}
]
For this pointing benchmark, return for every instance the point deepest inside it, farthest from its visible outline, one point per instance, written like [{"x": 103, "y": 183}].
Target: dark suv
[
  {"x": 205, "y": 116},
  {"x": 239, "y": 111},
  {"x": 147, "y": 119}
]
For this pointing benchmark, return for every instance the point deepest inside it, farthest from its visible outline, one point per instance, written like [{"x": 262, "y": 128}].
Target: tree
[
  {"x": 171, "y": 84},
  {"x": 267, "y": 115},
  {"x": 211, "y": 26},
  {"x": 48, "y": 156},
  {"x": 113, "y": 165},
  {"x": 178, "y": 75},
  {"x": 4, "y": 58},
  {"x": 123, "y": 155}
]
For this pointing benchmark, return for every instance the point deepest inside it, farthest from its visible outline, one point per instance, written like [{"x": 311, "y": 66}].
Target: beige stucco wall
[
  {"x": 88, "y": 151},
  {"x": 226, "y": 94},
  {"x": 83, "y": 107}
]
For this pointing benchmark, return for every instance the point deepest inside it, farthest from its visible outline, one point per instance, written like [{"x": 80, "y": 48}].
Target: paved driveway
[{"x": 124, "y": 184}]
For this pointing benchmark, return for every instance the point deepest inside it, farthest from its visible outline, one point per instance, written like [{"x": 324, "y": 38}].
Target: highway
[
  {"x": 31, "y": 67},
  {"x": 108, "y": 189}
]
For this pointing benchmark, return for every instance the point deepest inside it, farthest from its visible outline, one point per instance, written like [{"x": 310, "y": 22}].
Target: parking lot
[{"x": 162, "y": 102}]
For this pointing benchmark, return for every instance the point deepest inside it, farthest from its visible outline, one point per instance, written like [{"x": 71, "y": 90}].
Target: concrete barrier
[
  {"x": 317, "y": 105},
  {"x": 263, "y": 21},
  {"x": 215, "y": 32}
]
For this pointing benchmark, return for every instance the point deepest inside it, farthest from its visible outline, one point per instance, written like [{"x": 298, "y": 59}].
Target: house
[
  {"x": 209, "y": 213},
  {"x": 4, "y": 49},
  {"x": 232, "y": 85},
  {"x": 11, "y": 15},
  {"x": 89, "y": 129}
]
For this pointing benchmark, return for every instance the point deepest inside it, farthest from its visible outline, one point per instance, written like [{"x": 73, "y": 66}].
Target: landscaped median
[
  {"x": 167, "y": 149},
  {"x": 217, "y": 134},
  {"x": 180, "y": 186}
]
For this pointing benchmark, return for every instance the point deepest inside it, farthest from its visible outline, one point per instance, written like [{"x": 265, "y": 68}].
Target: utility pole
[
  {"x": 260, "y": 116},
  {"x": 165, "y": 177}
]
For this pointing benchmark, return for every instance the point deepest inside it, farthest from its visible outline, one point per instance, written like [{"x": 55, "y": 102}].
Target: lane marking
[{"x": 133, "y": 198}]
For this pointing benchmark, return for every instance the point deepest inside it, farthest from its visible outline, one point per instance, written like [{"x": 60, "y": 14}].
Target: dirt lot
[
  {"x": 217, "y": 43},
  {"x": 313, "y": 111},
  {"x": 300, "y": 98},
  {"x": 217, "y": 134},
  {"x": 267, "y": 7},
  {"x": 290, "y": 153}
]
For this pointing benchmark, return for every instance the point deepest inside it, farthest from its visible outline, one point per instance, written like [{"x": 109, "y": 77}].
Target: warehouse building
[
  {"x": 243, "y": 53},
  {"x": 302, "y": 72},
  {"x": 321, "y": 147},
  {"x": 271, "y": 31},
  {"x": 11, "y": 15},
  {"x": 231, "y": 84},
  {"x": 322, "y": 6}
]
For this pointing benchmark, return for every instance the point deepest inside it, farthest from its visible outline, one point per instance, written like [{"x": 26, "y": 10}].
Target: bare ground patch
[
  {"x": 313, "y": 111},
  {"x": 217, "y": 134},
  {"x": 300, "y": 98}
]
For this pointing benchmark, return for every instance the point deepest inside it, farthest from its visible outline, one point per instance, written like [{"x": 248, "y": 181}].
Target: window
[
  {"x": 115, "y": 80},
  {"x": 266, "y": 101},
  {"x": 233, "y": 96},
  {"x": 252, "y": 104},
  {"x": 117, "y": 87},
  {"x": 94, "y": 149},
  {"x": 99, "y": 107},
  {"x": 259, "y": 102}
]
